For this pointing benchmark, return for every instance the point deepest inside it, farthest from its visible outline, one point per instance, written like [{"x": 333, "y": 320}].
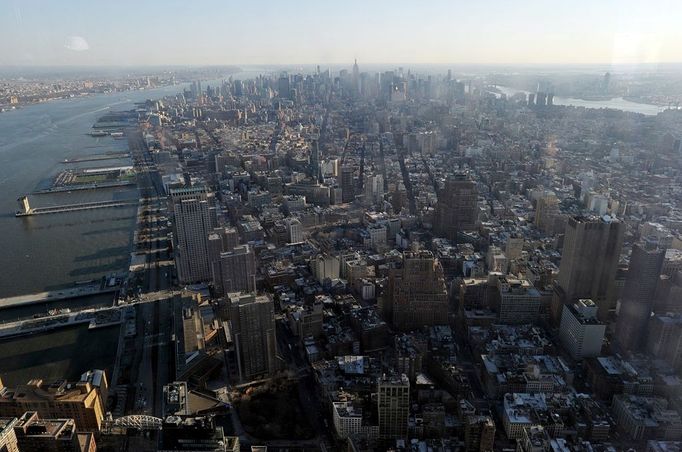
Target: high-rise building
[
  {"x": 393, "y": 401},
  {"x": 519, "y": 301},
  {"x": 643, "y": 275},
  {"x": 51, "y": 435},
  {"x": 294, "y": 230},
  {"x": 479, "y": 433},
  {"x": 193, "y": 223},
  {"x": 416, "y": 295},
  {"x": 547, "y": 213},
  {"x": 283, "y": 86},
  {"x": 356, "y": 78},
  {"x": 589, "y": 260},
  {"x": 347, "y": 188},
  {"x": 235, "y": 271},
  {"x": 252, "y": 325},
  {"x": 8, "y": 439},
  {"x": 374, "y": 188},
  {"x": 315, "y": 169},
  {"x": 664, "y": 339},
  {"x": 221, "y": 240},
  {"x": 514, "y": 248},
  {"x": 457, "y": 207},
  {"x": 325, "y": 266},
  {"x": 83, "y": 401},
  {"x": 581, "y": 333}
]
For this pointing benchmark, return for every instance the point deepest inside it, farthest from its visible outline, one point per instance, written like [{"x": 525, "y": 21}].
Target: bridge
[{"x": 136, "y": 421}]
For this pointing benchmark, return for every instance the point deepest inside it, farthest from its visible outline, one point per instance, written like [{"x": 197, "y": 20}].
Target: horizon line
[{"x": 350, "y": 63}]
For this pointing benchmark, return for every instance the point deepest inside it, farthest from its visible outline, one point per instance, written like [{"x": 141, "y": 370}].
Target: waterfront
[
  {"x": 59, "y": 354},
  {"x": 54, "y": 251},
  {"x": 617, "y": 103}
]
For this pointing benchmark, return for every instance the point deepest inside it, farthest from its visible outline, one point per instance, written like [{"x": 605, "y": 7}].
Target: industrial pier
[{"x": 26, "y": 210}]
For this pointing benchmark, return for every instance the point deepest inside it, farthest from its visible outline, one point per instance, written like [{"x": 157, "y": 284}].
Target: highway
[{"x": 151, "y": 349}]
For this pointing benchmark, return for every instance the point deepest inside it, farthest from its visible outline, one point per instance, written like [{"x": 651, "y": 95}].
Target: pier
[
  {"x": 54, "y": 295},
  {"x": 27, "y": 210},
  {"x": 95, "y": 158},
  {"x": 67, "y": 188}
]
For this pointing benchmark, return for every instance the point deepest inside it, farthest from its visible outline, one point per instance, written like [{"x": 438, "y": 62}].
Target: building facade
[{"x": 252, "y": 323}]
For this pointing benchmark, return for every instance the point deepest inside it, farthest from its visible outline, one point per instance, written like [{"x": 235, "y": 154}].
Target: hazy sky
[{"x": 197, "y": 32}]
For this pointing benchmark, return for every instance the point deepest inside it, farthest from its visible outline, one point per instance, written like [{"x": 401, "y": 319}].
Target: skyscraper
[
  {"x": 283, "y": 86},
  {"x": 252, "y": 325},
  {"x": 356, "y": 79},
  {"x": 235, "y": 271},
  {"x": 416, "y": 294},
  {"x": 393, "y": 401},
  {"x": 643, "y": 275},
  {"x": 193, "y": 223},
  {"x": 589, "y": 260},
  {"x": 347, "y": 189},
  {"x": 456, "y": 209},
  {"x": 479, "y": 433},
  {"x": 315, "y": 170}
]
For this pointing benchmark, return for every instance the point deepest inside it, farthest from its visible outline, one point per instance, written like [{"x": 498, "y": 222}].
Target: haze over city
[
  {"x": 133, "y": 33},
  {"x": 360, "y": 226}
]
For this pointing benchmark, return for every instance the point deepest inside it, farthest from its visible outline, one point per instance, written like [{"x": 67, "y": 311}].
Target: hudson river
[{"x": 46, "y": 252}]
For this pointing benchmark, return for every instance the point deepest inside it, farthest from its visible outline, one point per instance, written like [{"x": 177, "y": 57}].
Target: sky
[{"x": 258, "y": 32}]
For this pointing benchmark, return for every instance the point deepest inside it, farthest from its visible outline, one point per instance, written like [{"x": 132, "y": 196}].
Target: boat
[{"x": 98, "y": 133}]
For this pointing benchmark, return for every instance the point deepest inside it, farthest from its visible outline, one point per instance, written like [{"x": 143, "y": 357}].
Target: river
[
  {"x": 617, "y": 103},
  {"x": 46, "y": 252}
]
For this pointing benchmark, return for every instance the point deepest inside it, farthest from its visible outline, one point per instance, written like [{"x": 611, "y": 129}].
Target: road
[{"x": 151, "y": 349}]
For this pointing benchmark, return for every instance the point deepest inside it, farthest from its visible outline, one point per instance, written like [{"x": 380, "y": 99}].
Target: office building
[
  {"x": 51, "y": 435},
  {"x": 196, "y": 433},
  {"x": 547, "y": 213},
  {"x": 283, "y": 87},
  {"x": 374, "y": 189},
  {"x": 457, "y": 207},
  {"x": 642, "y": 278},
  {"x": 294, "y": 230},
  {"x": 416, "y": 295},
  {"x": 589, "y": 260},
  {"x": 393, "y": 399},
  {"x": 479, "y": 433},
  {"x": 346, "y": 183},
  {"x": 513, "y": 248},
  {"x": 220, "y": 240},
  {"x": 641, "y": 417},
  {"x": 235, "y": 271},
  {"x": 347, "y": 418},
  {"x": 193, "y": 224},
  {"x": 581, "y": 333},
  {"x": 519, "y": 301},
  {"x": 664, "y": 338},
  {"x": 325, "y": 266},
  {"x": 8, "y": 439},
  {"x": 315, "y": 169},
  {"x": 252, "y": 325},
  {"x": 83, "y": 401}
]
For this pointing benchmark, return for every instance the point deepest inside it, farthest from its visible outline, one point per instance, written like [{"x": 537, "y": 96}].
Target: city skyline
[
  {"x": 73, "y": 33},
  {"x": 375, "y": 226}
]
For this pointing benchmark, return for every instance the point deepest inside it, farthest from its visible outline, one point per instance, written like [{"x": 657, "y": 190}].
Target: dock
[
  {"x": 67, "y": 188},
  {"x": 54, "y": 295},
  {"x": 95, "y": 318},
  {"x": 28, "y": 211},
  {"x": 96, "y": 158}
]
